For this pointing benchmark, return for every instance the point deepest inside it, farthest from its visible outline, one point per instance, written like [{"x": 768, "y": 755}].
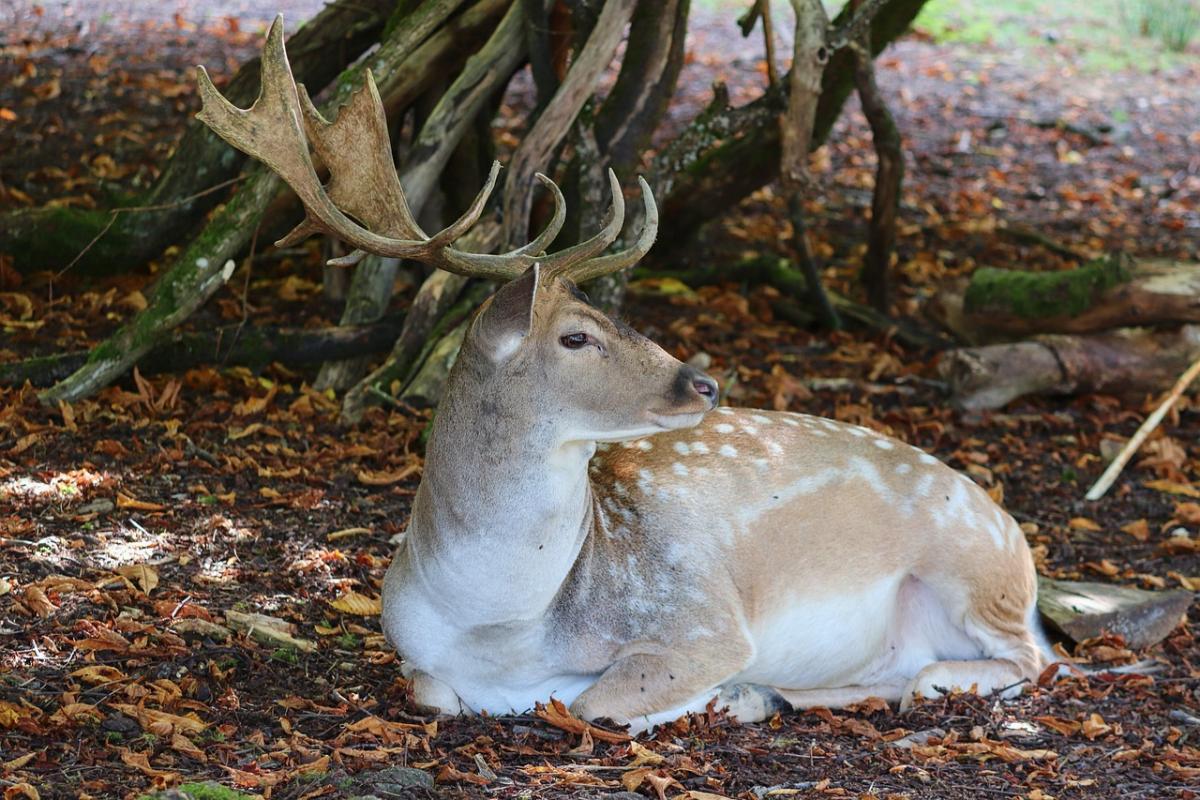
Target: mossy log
[
  {"x": 1112, "y": 292},
  {"x": 51, "y": 238},
  {"x": 240, "y": 345},
  {"x": 1127, "y": 361}
]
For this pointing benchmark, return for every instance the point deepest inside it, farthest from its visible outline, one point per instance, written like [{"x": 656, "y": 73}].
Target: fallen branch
[
  {"x": 239, "y": 345},
  {"x": 1121, "y": 362},
  {"x": 1145, "y": 429}
]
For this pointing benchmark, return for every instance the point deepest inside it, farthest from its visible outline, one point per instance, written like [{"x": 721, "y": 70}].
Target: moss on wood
[{"x": 1037, "y": 295}]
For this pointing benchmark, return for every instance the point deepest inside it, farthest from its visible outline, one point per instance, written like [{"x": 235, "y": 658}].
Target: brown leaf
[
  {"x": 149, "y": 716},
  {"x": 125, "y": 501},
  {"x": 141, "y": 762},
  {"x": 1095, "y": 726},
  {"x": 1173, "y": 487},
  {"x": 449, "y": 774},
  {"x": 1064, "y": 726},
  {"x": 1138, "y": 529},
  {"x": 142, "y": 574},
  {"x": 354, "y": 603},
  {"x": 1084, "y": 524},
  {"x": 385, "y": 478},
  {"x": 559, "y": 716},
  {"x": 36, "y": 599},
  {"x": 1188, "y": 513}
]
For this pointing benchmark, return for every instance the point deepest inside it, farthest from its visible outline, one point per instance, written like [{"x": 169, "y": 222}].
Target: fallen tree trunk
[
  {"x": 1131, "y": 360},
  {"x": 51, "y": 238},
  {"x": 1112, "y": 292},
  {"x": 240, "y": 345}
]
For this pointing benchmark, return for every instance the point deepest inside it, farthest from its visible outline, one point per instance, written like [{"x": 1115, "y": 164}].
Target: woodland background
[{"x": 181, "y": 452}]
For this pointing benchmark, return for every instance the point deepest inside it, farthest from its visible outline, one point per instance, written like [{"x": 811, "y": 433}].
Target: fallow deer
[{"x": 586, "y": 529}]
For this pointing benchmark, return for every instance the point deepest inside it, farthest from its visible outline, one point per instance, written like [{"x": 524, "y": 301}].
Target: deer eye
[{"x": 574, "y": 341}]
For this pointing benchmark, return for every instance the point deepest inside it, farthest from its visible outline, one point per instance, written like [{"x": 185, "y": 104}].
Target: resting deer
[{"x": 585, "y": 528}]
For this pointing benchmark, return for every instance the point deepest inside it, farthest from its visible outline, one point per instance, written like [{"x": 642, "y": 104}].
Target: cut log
[
  {"x": 1130, "y": 360},
  {"x": 239, "y": 345},
  {"x": 1112, "y": 292},
  {"x": 1088, "y": 610}
]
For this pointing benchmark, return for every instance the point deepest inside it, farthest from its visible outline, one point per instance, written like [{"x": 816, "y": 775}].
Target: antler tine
[
  {"x": 538, "y": 246},
  {"x": 562, "y": 261},
  {"x": 604, "y": 265}
]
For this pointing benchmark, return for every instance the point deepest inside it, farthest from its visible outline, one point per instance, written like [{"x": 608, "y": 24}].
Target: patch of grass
[
  {"x": 287, "y": 655},
  {"x": 1175, "y": 23},
  {"x": 1093, "y": 36},
  {"x": 205, "y": 791}
]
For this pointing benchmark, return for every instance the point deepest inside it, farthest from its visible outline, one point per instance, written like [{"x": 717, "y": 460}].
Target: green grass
[{"x": 1094, "y": 37}]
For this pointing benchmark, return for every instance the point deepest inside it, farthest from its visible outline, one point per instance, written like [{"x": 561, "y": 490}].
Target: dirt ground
[{"x": 136, "y": 526}]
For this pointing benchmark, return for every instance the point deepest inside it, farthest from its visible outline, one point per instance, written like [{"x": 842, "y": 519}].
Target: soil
[{"x": 129, "y": 520}]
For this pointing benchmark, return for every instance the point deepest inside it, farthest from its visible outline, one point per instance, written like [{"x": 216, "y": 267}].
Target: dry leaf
[
  {"x": 142, "y": 574},
  {"x": 371, "y": 477},
  {"x": 125, "y": 501},
  {"x": 1095, "y": 726},
  {"x": 1138, "y": 529},
  {"x": 559, "y": 716},
  {"x": 643, "y": 756},
  {"x": 147, "y": 717},
  {"x": 1084, "y": 524},
  {"x": 36, "y": 599},
  {"x": 354, "y": 603},
  {"x": 1173, "y": 487},
  {"x": 98, "y": 674}
]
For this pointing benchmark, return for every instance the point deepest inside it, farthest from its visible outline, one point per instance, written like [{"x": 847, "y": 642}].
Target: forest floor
[{"x": 136, "y": 526}]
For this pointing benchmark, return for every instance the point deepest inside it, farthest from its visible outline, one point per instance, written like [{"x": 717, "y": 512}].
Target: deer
[{"x": 591, "y": 526}]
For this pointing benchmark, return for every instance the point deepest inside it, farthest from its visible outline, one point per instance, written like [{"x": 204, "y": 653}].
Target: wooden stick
[{"x": 1114, "y": 469}]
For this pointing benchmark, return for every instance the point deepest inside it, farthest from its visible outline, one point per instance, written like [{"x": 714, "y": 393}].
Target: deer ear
[{"x": 507, "y": 319}]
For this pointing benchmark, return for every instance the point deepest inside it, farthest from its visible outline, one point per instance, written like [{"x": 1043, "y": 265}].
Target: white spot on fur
[
  {"x": 645, "y": 445},
  {"x": 762, "y": 464},
  {"x": 679, "y": 469},
  {"x": 774, "y": 449},
  {"x": 927, "y": 459},
  {"x": 855, "y": 430},
  {"x": 682, "y": 448},
  {"x": 700, "y": 447},
  {"x": 760, "y": 419},
  {"x": 724, "y": 410},
  {"x": 620, "y": 488},
  {"x": 903, "y": 469},
  {"x": 750, "y": 429},
  {"x": 883, "y": 444},
  {"x": 829, "y": 424},
  {"x": 728, "y": 450},
  {"x": 817, "y": 432},
  {"x": 724, "y": 428},
  {"x": 790, "y": 421}
]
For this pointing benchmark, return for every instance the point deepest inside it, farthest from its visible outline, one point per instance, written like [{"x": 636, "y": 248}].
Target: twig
[{"x": 1114, "y": 469}]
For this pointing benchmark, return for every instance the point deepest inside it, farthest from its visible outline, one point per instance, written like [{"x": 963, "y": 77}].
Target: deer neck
[{"x": 503, "y": 509}]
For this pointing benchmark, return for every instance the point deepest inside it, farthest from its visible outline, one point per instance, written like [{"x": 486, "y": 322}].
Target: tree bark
[
  {"x": 1128, "y": 361},
  {"x": 50, "y": 238},
  {"x": 889, "y": 175},
  {"x": 240, "y": 345},
  {"x": 207, "y": 263},
  {"x": 649, "y": 72}
]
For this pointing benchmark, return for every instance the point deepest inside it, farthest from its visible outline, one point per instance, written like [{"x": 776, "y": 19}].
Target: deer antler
[{"x": 363, "y": 185}]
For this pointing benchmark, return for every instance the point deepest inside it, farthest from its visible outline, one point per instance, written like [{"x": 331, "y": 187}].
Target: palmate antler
[{"x": 363, "y": 185}]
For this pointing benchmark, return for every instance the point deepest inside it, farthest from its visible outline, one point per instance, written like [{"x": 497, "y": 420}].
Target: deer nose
[{"x": 703, "y": 385}]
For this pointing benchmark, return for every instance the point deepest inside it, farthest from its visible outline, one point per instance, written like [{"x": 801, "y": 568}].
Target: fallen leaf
[
  {"x": 149, "y": 717},
  {"x": 354, "y": 603},
  {"x": 125, "y": 501},
  {"x": 142, "y": 574},
  {"x": 1138, "y": 529},
  {"x": 559, "y": 716},
  {"x": 383, "y": 477},
  {"x": 1095, "y": 726},
  {"x": 1173, "y": 487},
  {"x": 1084, "y": 524}
]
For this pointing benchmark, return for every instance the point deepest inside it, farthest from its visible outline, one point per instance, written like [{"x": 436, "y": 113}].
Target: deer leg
[
  {"x": 841, "y": 696},
  {"x": 431, "y": 694},
  {"x": 983, "y": 677},
  {"x": 644, "y": 690}
]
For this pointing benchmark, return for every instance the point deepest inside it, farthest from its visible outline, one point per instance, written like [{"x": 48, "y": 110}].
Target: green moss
[
  {"x": 1037, "y": 295},
  {"x": 205, "y": 791}
]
